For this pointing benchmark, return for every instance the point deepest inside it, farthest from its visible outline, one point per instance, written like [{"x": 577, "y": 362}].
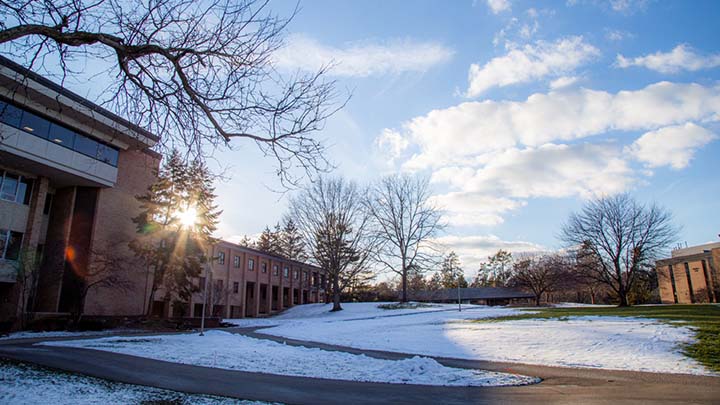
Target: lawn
[{"x": 704, "y": 319}]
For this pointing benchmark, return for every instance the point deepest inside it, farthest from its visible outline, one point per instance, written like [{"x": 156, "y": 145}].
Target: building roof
[
  {"x": 45, "y": 82},
  {"x": 693, "y": 250},
  {"x": 481, "y": 293}
]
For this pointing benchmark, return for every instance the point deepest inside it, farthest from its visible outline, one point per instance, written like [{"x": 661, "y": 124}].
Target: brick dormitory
[{"x": 69, "y": 174}]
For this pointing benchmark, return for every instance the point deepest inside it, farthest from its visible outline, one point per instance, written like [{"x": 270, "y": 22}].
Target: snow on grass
[
  {"x": 25, "y": 384},
  {"x": 230, "y": 351},
  {"x": 609, "y": 342},
  {"x": 54, "y": 334}
]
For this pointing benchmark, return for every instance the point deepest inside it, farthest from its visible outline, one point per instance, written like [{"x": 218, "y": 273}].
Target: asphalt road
[{"x": 560, "y": 385}]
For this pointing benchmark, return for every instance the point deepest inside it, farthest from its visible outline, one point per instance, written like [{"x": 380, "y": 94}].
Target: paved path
[{"x": 560, "y": 385}]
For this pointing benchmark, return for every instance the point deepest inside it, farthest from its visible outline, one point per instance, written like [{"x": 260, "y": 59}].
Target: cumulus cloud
[
  {"x": 468, "y": 209},
  {"x": 391, "y": 144},
  {"x": 672, "y": 146},
  {"x": 682, "y": 57},
  {"x": 530, "y": 62},
  {"x": 564, "y": 81},
  {"x": 551, "y": 170},
  {"x": 465, "y": 133},
  {"x": 361, "y": 59},
  {"x": 498, "y": 6},
  {"x": 474, "y": 250}
]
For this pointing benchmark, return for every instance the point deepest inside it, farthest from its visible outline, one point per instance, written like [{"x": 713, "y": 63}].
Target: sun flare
[{"x": 188, "y": 217}]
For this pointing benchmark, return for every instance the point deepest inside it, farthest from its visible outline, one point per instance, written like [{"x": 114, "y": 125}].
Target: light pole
[{"x": 458, "y": 290}]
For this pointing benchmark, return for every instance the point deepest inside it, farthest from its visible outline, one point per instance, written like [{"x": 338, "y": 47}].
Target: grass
[{"x": 704, "y": 319}]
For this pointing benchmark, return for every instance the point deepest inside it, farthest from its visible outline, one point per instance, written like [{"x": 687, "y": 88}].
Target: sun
[{"x": 188, "y": 217}]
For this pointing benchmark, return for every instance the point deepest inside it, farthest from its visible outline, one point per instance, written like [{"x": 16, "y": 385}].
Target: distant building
[
  {"x": 481, "y": 296},
  {"x": 690, "y": 275}
]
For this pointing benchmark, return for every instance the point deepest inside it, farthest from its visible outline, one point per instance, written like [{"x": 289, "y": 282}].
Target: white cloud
[
  {"x": 362, "y": 59},
  {"x": 466, "y": 209},
  {"x": 564, "y": 81},
  {"x": 551, "y": 170},
  {"x": 475, "y": 249},
  {"x": 530, "y": 62},
  {"x": 391, "y": 144},
  {"x": 464, "y": 133},
  {"x": 682, "y": 57},
  {"x": 673, "y": 146},
  {"x": 498, "y": 6},
  {"x": 617, "y": 35}
]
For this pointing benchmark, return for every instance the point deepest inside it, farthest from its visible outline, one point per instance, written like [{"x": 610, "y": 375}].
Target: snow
[
  {"x": 54, "y": 334},
  {"x": 236, "y": 352},
  {"x": 24, "y": 384},
  {"x": 579, "y": 305},
  {"x": 607, "y": 342}
]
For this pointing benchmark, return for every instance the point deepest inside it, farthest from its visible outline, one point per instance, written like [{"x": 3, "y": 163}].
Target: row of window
[
  {"x": 263, "y": 267},
  {"x": 34, "y": 124},
  {"x": 10, "y": 243},
  {"x": 15, "y": 188}
]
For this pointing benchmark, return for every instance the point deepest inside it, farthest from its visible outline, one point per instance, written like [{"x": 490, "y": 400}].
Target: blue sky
[{"x": 518, "y": 111}]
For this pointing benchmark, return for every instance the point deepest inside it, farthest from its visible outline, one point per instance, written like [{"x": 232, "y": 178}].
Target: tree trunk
[
  {"x": 404, "y": 285},
  {"x": 623, "y": 296},
  {"x": 336, "y": 295},
  {"x": 150, "y": 300},
  {"x": 537, "y": 300}
]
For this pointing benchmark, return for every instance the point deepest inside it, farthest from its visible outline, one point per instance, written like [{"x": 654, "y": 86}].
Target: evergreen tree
[
  {"x": 177, "y": 219},
  {"x": 247, "y": 242},
  {"x": 435, "y": 282},
  {"x": 451, "y": 272},
  {"x": 265, "y": 241},
  {"x": 291, "y": 241}
]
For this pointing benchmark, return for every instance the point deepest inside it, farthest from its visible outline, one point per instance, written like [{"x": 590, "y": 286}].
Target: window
[
  {"x": 15, "y": 188},
  {"x": 35, "y": 125},
  {"x": 11, "y": 242},
  {"x": 236, "y": 262},
  {"x": 295, "y": 274},
  {"x": 39, "y": 126},
  {"x": 275, "y": 270},
  {"x": 218, "y": 285},
  {"x": 286, "y": 272},
  {"x": 305, "y": 276},
  {"x": 10, "y": 115},
  {"x": 263, "y": 266},
  {"x": 61, "y": 135},
  {"x": 251, "y": 264},
  {"x": 201, "y": 282},
  {"x": 236, "y": 286},
  {"x": 221, "y": 258}
]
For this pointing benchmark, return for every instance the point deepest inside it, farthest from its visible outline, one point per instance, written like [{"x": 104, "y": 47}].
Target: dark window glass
[
  {"x": 201, "y": 282},
  {"x": 24, "y": 191},
  {"x": 264, "y": 267},
  {"x": 221, "y": 258},
  {"x": 13, "y": 245},
  {"x": 275, "y": 270},
  {"x": 35, "y": 125},
  {"x": 8, "y": 191},
  {"x": 61, "y": 136},
  {"x": 10, "y": 115},
  {"x": 236, "y": 287},
  {"x": 236, "y": 262},
  {"x": 48, "y": 204},
  {"x": 86, "y": 146},
  {"x": 3, "y": 242},
  {"x": 286, "y": 271},
  {"x": 107, "y": 154},
  {"x": 251, "y": 264}
]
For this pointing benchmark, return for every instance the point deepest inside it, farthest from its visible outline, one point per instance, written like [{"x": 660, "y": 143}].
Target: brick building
[
  {"x": 244, "y": 282},
  {"x": 690, "y": 275},
  {"x": 69, "y": 174}
]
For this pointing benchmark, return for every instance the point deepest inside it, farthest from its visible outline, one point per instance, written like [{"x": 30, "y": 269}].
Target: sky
[{"x": 519, "y": 112}]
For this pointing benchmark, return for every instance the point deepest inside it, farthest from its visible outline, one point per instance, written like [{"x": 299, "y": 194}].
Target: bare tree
[
  {"x": 539, "y": 274},
  {"x": 405, "y": 222},
  {"x": 335, "y": 224},
  {"x": 197, "y": 72},
  {"x": 617, "y": 238}
]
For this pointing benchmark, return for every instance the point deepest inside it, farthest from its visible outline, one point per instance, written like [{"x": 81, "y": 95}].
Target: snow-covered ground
[
  {"x": 25, "y": 384},
  {"x": 226, "y": 350},
  {"x": 596, "y": 342},
  {"x": 54, "y": 334}
]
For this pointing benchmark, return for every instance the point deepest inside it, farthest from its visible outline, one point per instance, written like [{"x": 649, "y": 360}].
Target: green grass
[{"x": 704, "y": 319}]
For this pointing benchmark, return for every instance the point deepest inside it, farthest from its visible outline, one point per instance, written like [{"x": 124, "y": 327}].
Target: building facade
[
  {"x": 690, "y": 275},
  {"x": 243, "y": 282},
  {"x": 70, "y": 172}
]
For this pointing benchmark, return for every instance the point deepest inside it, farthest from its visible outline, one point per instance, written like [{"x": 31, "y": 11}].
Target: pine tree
[
  {"x": 174, "y": 250},
  {"x": 451, "y": 272},
  {"x": 435, "y": 282},
  {"x": 247, "y": 242},
  {"x": 265, "y": 241},
  {"x": 291, "y": 242}
]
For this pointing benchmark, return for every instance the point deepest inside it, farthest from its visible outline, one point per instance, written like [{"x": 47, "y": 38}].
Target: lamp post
[{"x": 458, "y": 290}]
